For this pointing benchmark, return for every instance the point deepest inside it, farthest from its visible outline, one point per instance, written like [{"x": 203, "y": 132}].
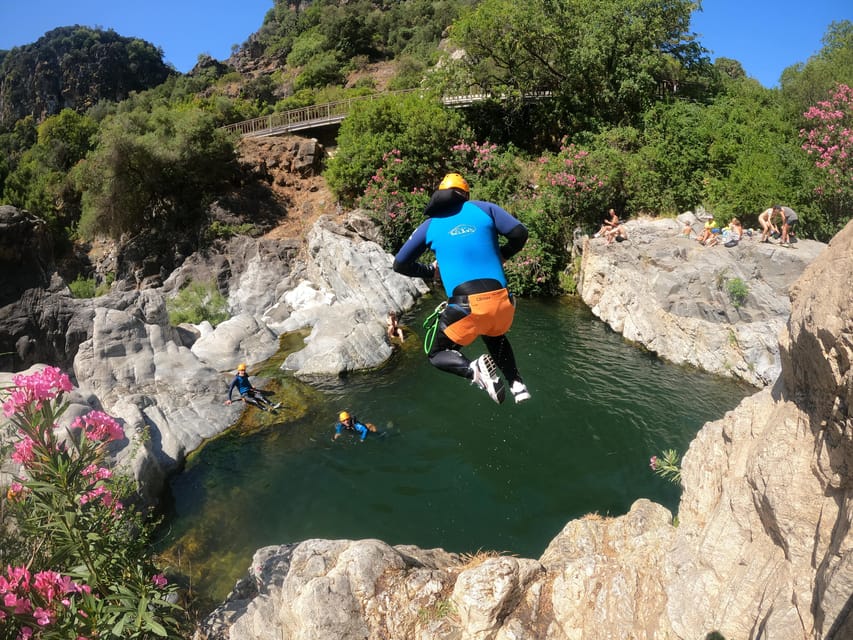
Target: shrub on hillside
[
  {"x": 197, "y": 302},
  {"x": 418, "y": 127}
]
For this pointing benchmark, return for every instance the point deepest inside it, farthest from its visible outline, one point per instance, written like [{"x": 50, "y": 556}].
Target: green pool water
[{"x": 449, "y": 468}]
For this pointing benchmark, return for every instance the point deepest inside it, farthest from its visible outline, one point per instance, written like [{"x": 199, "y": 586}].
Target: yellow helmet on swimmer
[
  {"x": 343, "y": 416},
  {"x": 241, "y": 366},
  {"x": 454, "y": 181}
]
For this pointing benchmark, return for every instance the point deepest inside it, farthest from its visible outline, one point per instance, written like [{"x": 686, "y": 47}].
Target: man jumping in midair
[{"x": 464, "y": 235}]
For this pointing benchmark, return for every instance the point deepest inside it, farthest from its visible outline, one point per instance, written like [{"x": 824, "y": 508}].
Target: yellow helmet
[
  {"x": 343, "y": 416},
  {"x": 241, "y": 366},
  {"x": 454, "y": 181}
]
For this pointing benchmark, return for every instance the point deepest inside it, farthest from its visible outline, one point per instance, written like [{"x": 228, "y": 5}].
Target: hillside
[{"x": 75, "y": 68}]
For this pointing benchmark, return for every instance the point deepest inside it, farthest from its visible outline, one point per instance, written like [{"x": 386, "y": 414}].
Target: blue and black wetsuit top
[
  {"x": 242, "y": 385},
  {"x": 359, "y": 428},
  {"x": 464, "y": 236}
]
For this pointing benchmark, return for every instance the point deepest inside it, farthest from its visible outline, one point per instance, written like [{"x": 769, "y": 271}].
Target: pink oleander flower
[
  {"x": 17, "y": 604},
  {"x": 35, "y": 388},
  {"x": 105, "y": 495},
  {"x": 159, "y": 580},
  {"x": 51, "y": 584},
  {"x": 18, "y": 577},
  {"x": 43, "y": 616},
  {"x": 653, "y": 463},
  {"x": 24, "y": 451},
  {"x": 97, "y": 473},
  {"x": 98, "y": 426}
]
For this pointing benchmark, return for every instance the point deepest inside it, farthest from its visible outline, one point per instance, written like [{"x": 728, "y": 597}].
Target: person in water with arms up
[{"x": 464, "y": 236}]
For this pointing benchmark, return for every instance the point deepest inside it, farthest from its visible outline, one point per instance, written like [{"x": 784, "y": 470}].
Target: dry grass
[{"x": 471, "y": 560}]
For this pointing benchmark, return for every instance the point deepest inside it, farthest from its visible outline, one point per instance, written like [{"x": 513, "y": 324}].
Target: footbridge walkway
[{"x": 332, "y": 113}]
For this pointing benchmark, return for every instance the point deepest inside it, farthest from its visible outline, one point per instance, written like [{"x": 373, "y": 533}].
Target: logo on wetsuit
[{"x": 463, "y": 229}]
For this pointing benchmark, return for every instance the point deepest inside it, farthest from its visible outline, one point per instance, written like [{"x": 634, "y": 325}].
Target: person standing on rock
[
  {"x": 765, "y": 219},
  {"x": 464, "y": 235},
  {"x": 789, "y": 221},
  {"x": 248, "y": 393}
]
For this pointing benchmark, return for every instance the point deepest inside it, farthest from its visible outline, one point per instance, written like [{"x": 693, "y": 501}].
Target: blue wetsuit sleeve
[
  {"x": 508, "y": 226},
  {"x": 233, "y": 384},
  {"x": 405, "y": 261},
  {"x": 339, "y": 427},
  {"x": 361, "y": 429}
]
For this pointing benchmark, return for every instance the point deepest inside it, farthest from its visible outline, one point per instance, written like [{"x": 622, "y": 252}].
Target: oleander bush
[{"x": 77, "y": 556}]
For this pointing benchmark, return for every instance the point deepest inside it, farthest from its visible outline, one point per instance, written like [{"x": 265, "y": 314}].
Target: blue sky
[{"x": 766, "y": 37}]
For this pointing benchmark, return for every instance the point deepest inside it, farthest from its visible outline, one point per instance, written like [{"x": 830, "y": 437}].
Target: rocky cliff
[
  {"x": 761, "y": 548},
  {"x": 717, "y": 308}
]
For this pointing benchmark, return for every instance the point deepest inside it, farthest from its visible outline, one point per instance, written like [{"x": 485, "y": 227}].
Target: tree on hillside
[
  {"x": 38, "y": 183},
  {"x": 807, "y": 83},
  {"x": 606, "y": 60},
  {"x": 420, "y": 128},
  {"x": 754, "y": 159},
  {"x": 153, "y": 171},
  {"x": 13, "y": 144}
]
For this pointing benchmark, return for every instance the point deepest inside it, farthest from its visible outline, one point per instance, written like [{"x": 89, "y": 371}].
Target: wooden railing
[{"x": 320, "y": 115}]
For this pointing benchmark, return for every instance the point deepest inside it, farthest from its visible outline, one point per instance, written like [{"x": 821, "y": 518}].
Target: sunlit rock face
[{"x": 675, "y": 296}]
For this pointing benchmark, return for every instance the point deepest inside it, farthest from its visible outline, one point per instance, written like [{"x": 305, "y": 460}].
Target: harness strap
[{"x": 431, "y": 326}]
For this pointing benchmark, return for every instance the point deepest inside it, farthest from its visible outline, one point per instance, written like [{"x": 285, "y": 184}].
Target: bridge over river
[{"x": 332, "y": 113}]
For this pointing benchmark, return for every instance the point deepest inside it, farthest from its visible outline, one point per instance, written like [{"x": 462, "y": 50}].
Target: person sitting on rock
[
  {"x": 616, "y": 234},
  {"x": 611, "y": 221},
  {"x": 393, "y": 328},
  {"x": 733, "y": 233},
  {"x": 707, "y": 231},
  {"x": 248, "y": 393}
]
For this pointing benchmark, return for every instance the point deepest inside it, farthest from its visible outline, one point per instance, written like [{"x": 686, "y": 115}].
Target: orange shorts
[{"x": 491, "y": 315}]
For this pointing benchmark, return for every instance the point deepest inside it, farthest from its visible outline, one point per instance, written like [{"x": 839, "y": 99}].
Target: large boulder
[
  {"x": 348, "y": 290},
  {"x": 40, "y": 320},
  {"x": 675, "y": 296}
]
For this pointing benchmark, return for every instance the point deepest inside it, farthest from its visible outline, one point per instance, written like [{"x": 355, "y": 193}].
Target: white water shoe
[
  {"x": 486, "y": 377},
  {"x": 519, "y": 391}
]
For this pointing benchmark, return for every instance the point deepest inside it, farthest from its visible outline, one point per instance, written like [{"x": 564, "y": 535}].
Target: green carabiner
[{"x": 431, "y": 326}]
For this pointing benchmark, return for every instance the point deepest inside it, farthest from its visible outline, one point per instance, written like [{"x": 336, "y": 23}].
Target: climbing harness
[{"x": 431, "y": 326}]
